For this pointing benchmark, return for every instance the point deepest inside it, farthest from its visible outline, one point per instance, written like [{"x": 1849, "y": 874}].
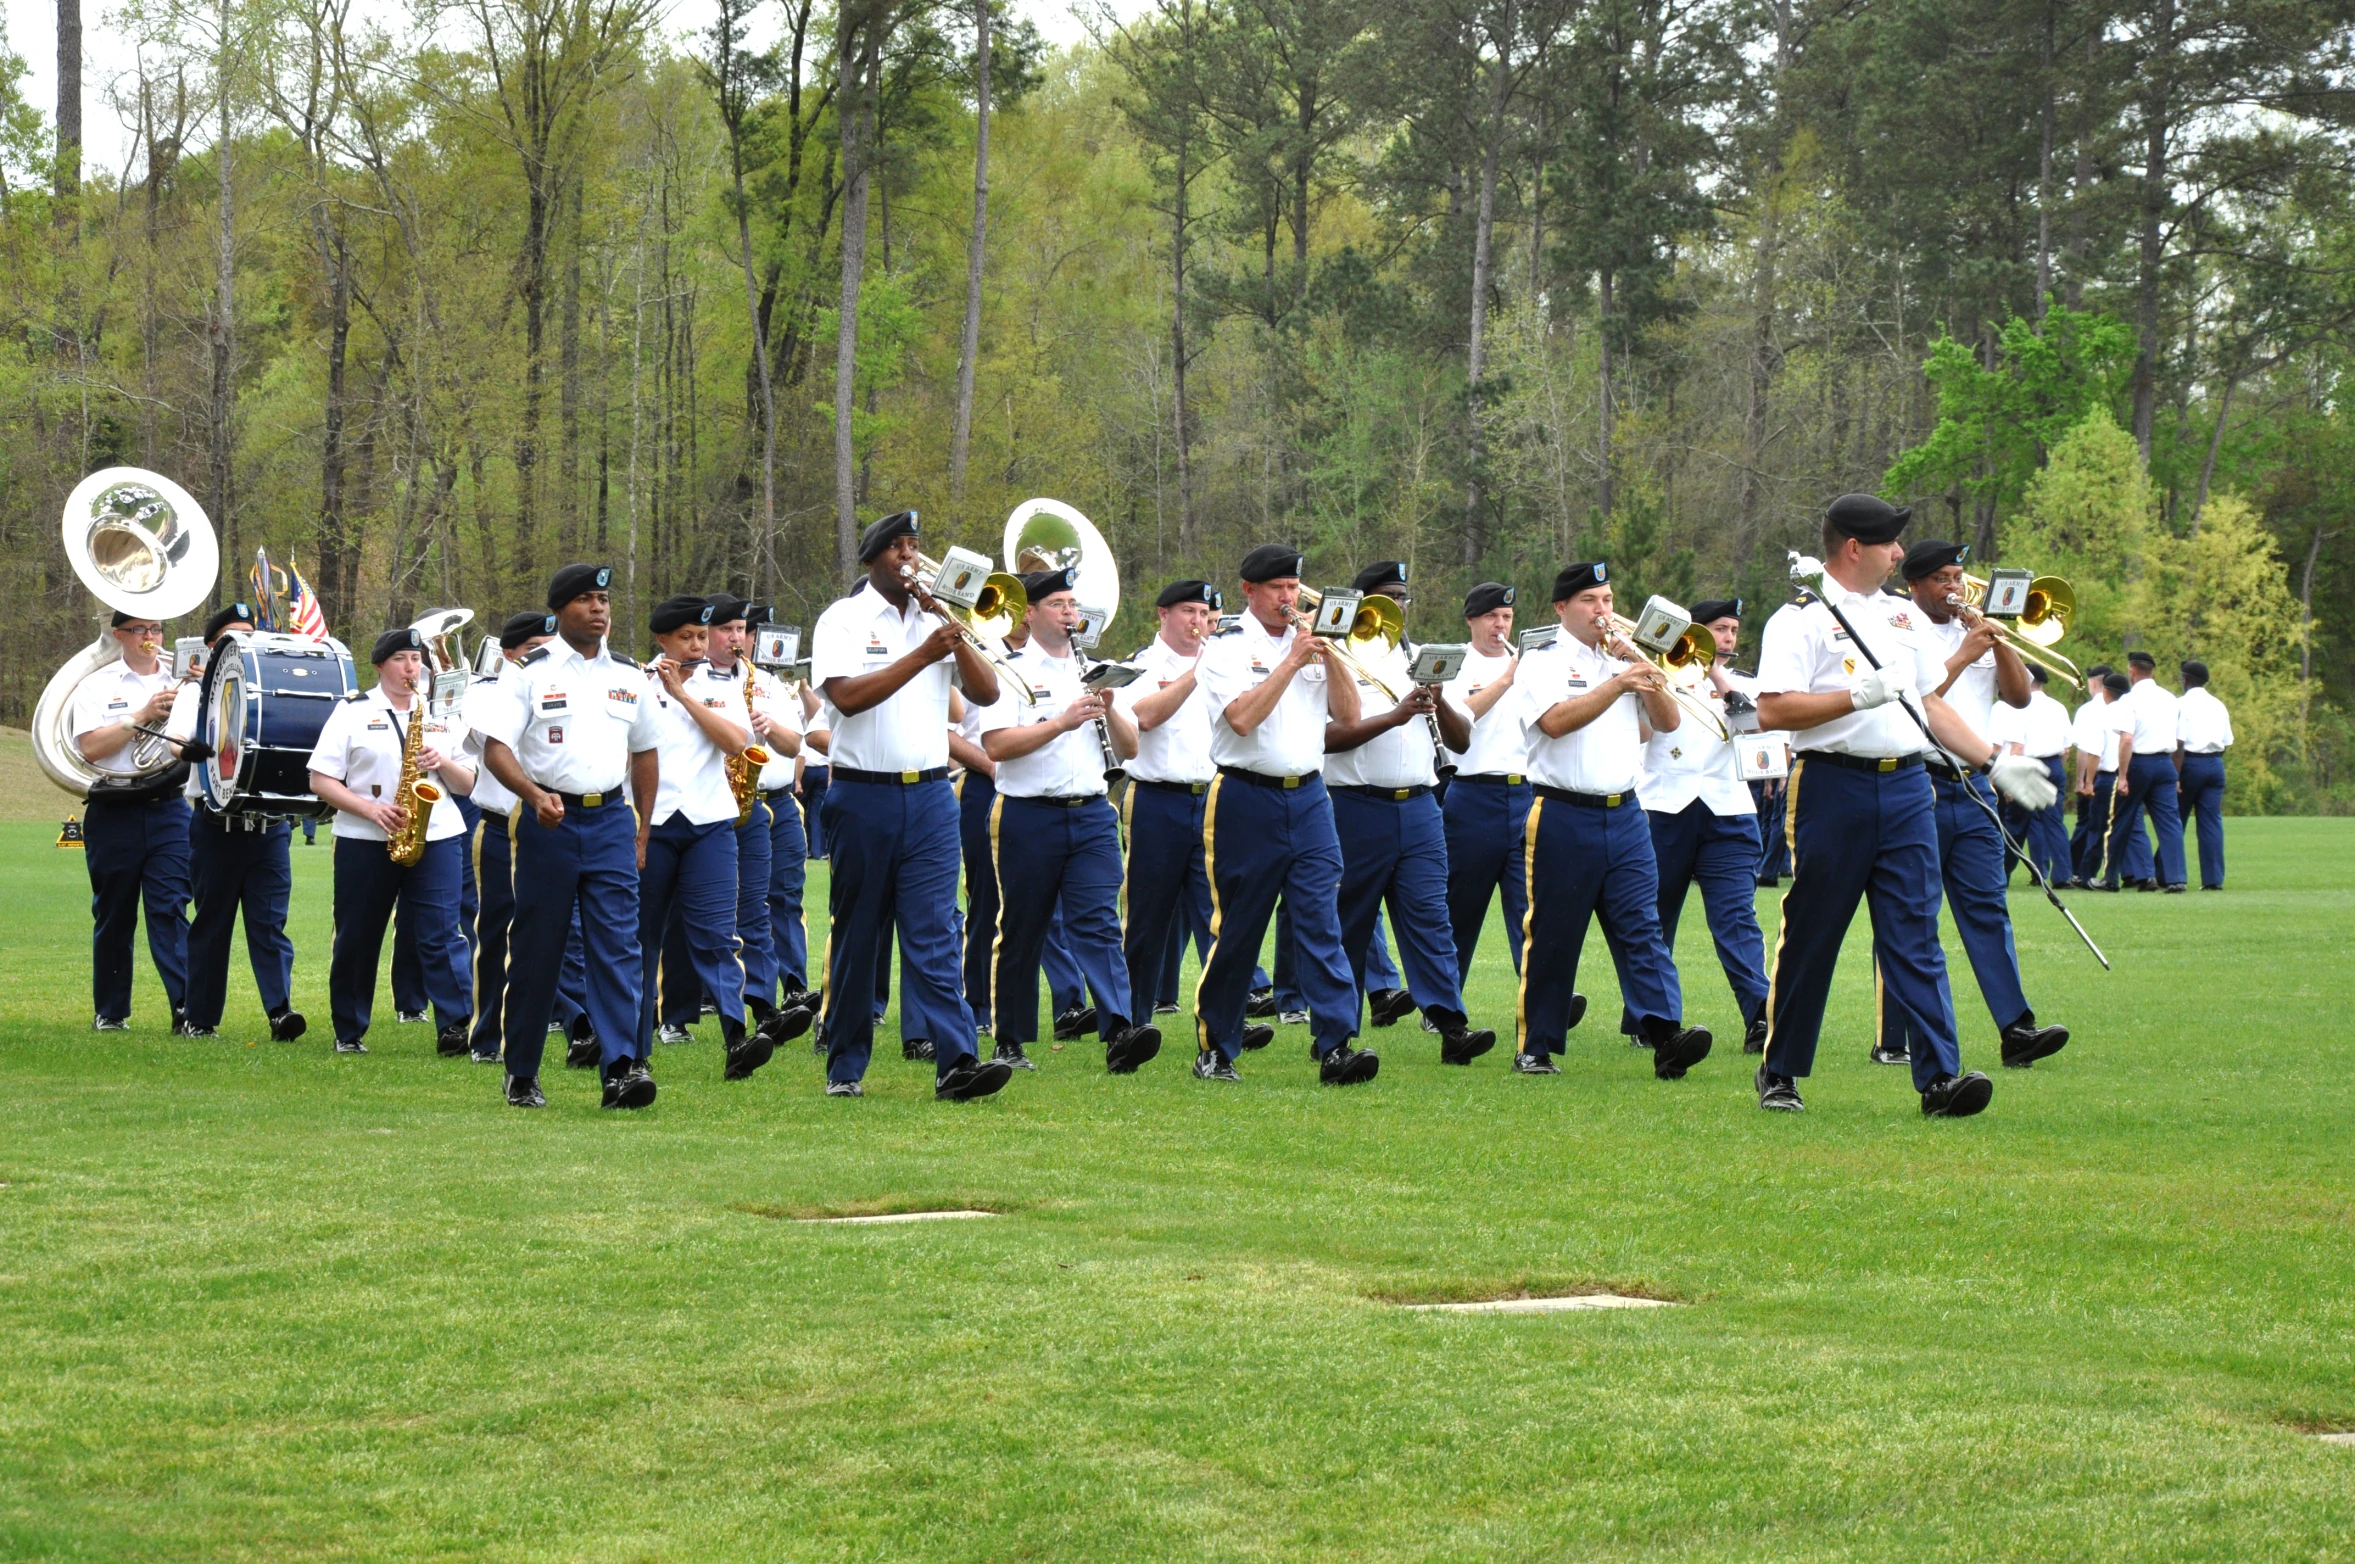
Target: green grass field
[{"x": 261, "y": 1302}]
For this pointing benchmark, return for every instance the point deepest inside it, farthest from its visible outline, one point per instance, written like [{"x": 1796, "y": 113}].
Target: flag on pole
[{"x": 302, "y": 607}]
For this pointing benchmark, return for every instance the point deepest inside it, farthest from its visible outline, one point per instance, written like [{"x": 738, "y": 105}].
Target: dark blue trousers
[
  {"x": 368, "y": 887},
  {"x": 238, "y": 870},
  {"x": 1394, "y": 854},
  {"x": 976, "y": 795},
  {"x": 895, "y": 855},
  {"x": 2151, "y": 790},
  {"x": 1168, "y": 886},
  {"x": 137, "y": 853},
  {"x": 813, "y": 795},
  {"x": 788, "y": 874},
  {"x": 1774, "y": 856},
  {"x": 1970, "y": 867},
  {"x": 1720, "y": 854},
  {"x": 1381, "y": 975},
  {"x": 588, "y": 860},
  {"x": 2201, "y": 795},
  {"x": 408, "y": 978},
  {"x": 682, "y": 987},
  {"x": 1588, "y": 864},
  {"x": 688, "y": 885},
  {"x": 1063, "y": 858},
  {"x": 1193, "y": 923},
  {"x": 1260, "y": 843},
  {"x": 1486, "y": 821},
  {"x": 2042, "y": 833},
  {"x": 1067, "y": 980},
  {"x": 1872, "y": 837},
  {"x": 2091, "y": 846},
  {"x": 494, "y": 922}
]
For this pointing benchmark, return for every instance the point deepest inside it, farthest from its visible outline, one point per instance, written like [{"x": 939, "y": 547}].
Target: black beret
[
  {"x": 1038, "y": 584},
  {"x": 1271, "y": 562},
  {"x": 1487, "y": 598},
  {"x": 878, "y": 536},
  {"x": 1932, "y": 555},
  {"x": 2036, "y": 672},
  {"x": 673, "y": 612},
  {"x": 1189, "y": 592},
  {"x": 1711, "y": 609},
  {"x": 2195, "y": 672},
  {"x": 1379, "y": 574},
  {"x": 225, "y": 616},
  {"x": 2141, "y": 660},
  {"x": 727, "y": 608},
  {"x": 394, "y": 642},
  {"x": 2099, "y": 671},
  {"x": 121, "y": 619},
  {"x": 1867, "y": 518},
  {"x": 1575, "y": 579},
  {"x": 520, "y": 628},
  {"x": 578, "y": 581},
  {"x": 754, "y": 614},
  {"x": 2117, "y": 684}
]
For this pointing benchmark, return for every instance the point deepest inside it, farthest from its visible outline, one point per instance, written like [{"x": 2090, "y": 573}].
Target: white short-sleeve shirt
[
  {"x": 1403, "y": 756},
  {"x": 1290, "y": 740},
  {"x": 1605, "y": 756},
  {"x": 1496, "y": 733},
  {"x": 573, "y": 721},
  {"x": 691, "y": 777},
  {"x": 360, "y": 746},
  {"x": 1069, "y": 765},
  {"x": 1179, "y": 749},
  {"x": 1807, "y": 653},
  {"x": 1972, "y": 694},
  {"x": 1692, "y": 762},
  {"x": 909, "y": 731},
  {"x": 109, "y": 695},
  {"x": 2202, "y": 725},
  {"x": 2150, "y": 716}
]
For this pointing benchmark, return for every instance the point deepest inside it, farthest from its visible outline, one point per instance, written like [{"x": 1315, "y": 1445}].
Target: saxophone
[
  {"x": 744, "y": 769},
  {"x": 414, "y": 793}
]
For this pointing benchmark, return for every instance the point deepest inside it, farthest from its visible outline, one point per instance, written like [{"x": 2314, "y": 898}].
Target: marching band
[{"x": 638, "y": 832}]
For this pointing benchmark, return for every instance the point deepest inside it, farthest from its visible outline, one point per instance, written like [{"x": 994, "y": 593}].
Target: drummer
[{"x": 357, "y": 768}]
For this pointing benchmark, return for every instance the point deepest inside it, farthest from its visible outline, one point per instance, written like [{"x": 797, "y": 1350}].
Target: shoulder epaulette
[
  {"x": 535, "y": 655},
  {"x": 357, "y": 695},
  {"x": 626, "y": 662},
  {"x": 1139, "y": 652},
  {"x": 1229, "y": 630}
]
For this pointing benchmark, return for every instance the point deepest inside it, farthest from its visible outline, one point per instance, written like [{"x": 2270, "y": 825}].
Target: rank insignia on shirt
[{"x": 1676, "y": 754}]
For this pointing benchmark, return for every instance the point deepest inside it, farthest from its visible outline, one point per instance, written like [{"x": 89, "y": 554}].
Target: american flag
[{"x": 302, "y": 607}]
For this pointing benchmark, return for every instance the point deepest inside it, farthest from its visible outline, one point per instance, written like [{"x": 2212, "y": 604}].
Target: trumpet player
[
  {"x": 357, "y": 767},
  {"x": 1054, "y": 840},
  {"x": 1381, "y": 771},
  {"x": 137, "y": 846},
  {"x": 1487, "y": 803},
  {"x": 1980, "y": 669},
  {"x": 1586, "y": 704}
]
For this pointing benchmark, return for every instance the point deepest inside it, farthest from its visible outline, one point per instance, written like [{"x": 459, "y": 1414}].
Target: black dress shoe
[
  {"x": 1534, "y": 1064},
  {"x": 1130, "y": 1047},
  {"x": 287, "y": 1025},
  {"x": 1211, "y": 1065},
  {"x": 1165, "y": 1010},
  {"x": 1347, "y": 1066},
  {"x": 2024, "y": 1042},
  {"x": 408, "y": 1017},
  {"x": 1255, "y": 1037},
  {"x": 745, "y": 1055},
  {"x": 523, "y": 1091},
  {"x": 1260, "y": 1002},
  {"x": 2177, "y": 889},
  {"x": 783, "y": 1026},
  {"x": 845, "y": 1089},
  {"x": 1882, "y": 1055},
  {"x": 583, "y": 1053},
  {"x": 1754, "y": 1037},
  {"x": 915, "y": 1048},
  {"x": 1577, "y": 1012},
  {"x": 1075, "y": 1023},
  {"x": 974, "y": 1078},
  {"x": 633, "y": 1088},
  {"x": 1013, "y": 1058},
  {"x": 1385, "y": 1006},
  {"x": 1957, "y": 1096},
  {"x": 186, "y": 1028},
  {"x": 350, "y": 1045},
  {"x": 1458, "y": 1045},
  {"x": 451, "y": 1040},
  {"x": 1777, "y": 1093},
  {"x": 1680, "y": 1051}
]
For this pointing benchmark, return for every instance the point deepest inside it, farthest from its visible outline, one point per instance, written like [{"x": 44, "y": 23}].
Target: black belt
[
  {"x": 1861, "y": 762},
  {"x": 1489, "y": 778},
  {"x": 1055, "y": 800},
  {"x": 590, "y": 800},
  {"x": 1585, "y": 800},
  {"x": 1196, "y": 788},
  {"x": 1392, "y": 794},
  {"x": 890, "y": 778},
  {"x": 1262, "y": 779},
  {"x": 1944, "y": 770}
]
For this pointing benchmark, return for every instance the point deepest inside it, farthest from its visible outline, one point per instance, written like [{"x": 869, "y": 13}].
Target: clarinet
[{"x": 1441, "y": 766}]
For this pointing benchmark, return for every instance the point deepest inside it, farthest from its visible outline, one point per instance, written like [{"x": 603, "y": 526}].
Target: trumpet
[
  {"x": 2044, "y": 618},
  {"x": 1685, "y": 665}
]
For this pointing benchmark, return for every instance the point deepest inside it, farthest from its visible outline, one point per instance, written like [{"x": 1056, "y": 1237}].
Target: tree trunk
[
  {"x": 568, "y": 359},
  {"x": 732, "y": 108},
  {"x": 2156, "y": 109},
  {"x": 2215, "y": 444},
  {"x": 1763, "y": 356},
  {"x": 333, "y": 570},
  {"x": 1181, "y": 217},
  {"x": 1483, "y": 239},
  {"x": 857, "y": 123},
  {"x": 68, "y": 173},
  {"x": 2081, "y": 179},
  {"x": 961, "y": 431},
  {"x": 224, "y": 322},
  {"x": 1606, "y": 431},
  {"x": 2044, "y": 174},
  {"x": 535, "y": 290}
]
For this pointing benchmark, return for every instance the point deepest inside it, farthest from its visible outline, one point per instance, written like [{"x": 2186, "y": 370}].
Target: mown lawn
[{"x": 260, "y": 1302}]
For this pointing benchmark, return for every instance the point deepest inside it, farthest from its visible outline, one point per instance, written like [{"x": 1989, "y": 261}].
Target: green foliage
[{"x": 2089, "y": 515}]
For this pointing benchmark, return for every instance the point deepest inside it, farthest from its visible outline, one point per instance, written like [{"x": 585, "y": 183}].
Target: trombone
[
  {"x": 1376, "y": 628},
  {"x": 1686, "y": 665},
  {"x": 997, "y": 608},
  {"x": 2044, "y": 618}
]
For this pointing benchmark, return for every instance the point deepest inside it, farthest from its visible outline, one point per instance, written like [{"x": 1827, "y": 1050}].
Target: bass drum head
[{"x": 224, "y": 720}]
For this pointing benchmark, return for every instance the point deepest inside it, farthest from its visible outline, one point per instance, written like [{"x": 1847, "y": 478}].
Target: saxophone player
[{"x": 361, "y": 765}]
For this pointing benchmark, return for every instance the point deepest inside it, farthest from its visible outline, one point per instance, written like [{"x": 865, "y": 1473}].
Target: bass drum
[{"x": 266, "y": 697}]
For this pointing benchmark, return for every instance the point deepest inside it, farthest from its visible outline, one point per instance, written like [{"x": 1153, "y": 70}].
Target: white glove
[
  {"x": 1880, "y": 686},
  {"x": 2022, "y": 780}
]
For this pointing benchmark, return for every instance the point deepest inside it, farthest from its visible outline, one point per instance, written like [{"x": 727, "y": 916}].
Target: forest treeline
[{"x": 434, "y": 300}]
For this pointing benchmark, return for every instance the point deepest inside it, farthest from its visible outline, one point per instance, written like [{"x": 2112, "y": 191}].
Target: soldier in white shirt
[
  {"x": 1704, "y": 826},
  {"x": 1584, "y": 704},
  {"x": 687, "y": 836},
  {"x": 563, "y": 729},
  {"x": 2146, "y": 778},
  {"x": 1054, "y": 840},
  {"x": 1982, "y": 675},
  {"x": 1267, "y": 826},
  {"x": 1168, "y": 784},
  {"x": 135, "y": 840},
  {"x": 885, "y": 660},
  {"x": 1380, "y": 773},
  {"x": 2041, "y": 731},
  {"x": 2093, "y": 733},
  {"x": 356, "y": 766},
  {"x": 2203, "y": 732},
  {"x": 1862, "y": 815},
  {"x": 1487, "y": 805}
]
